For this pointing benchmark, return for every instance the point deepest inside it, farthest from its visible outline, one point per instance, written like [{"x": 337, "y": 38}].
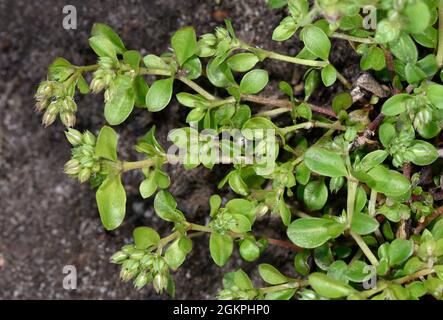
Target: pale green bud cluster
[
  {"x": 52, "y": 98},
  {"x": 104, "y": 76},
  {"x": 83, "y": 164},
  {"x": 142, "y": 267},
  {"x": 223, "y": 222},
  {"x": 235, "y": 293}
]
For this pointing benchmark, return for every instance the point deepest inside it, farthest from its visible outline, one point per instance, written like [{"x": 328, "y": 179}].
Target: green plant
[{"x": 372, "y": 152}]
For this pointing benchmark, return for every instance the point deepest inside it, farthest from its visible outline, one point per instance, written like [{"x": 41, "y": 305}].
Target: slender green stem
[
  {"x": 193, "y": 85},
  {"x": 343, "y": 80},
  {"x": 273, "y": 112},
  {"x": 364, "y": 247},
  {"x": 290, "y": 285},
  {"x": 414, "y": 276},
  {"x": 164, "y": 241},
  {"x": 285, "y": 58},
  {"x": 352, "y": 192},
  {"x": 372, "y": 203},
  {"x": 276, "y": 242},
  {"x": 352, "y": 38},
  {"x": 382, "y": 285},
  {"x": 88, "y": 68},
  {"x": 440, "y": 35},
  {"x": 155, "y": 72},
  {"x": 128, "y": 166},
  {"x": 312, "y": 124}
]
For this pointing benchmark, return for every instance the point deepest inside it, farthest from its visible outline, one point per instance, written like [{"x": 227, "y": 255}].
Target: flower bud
[
  {"x": 87, "y": 150},
  {"x": 160, "y": 282},
  {"x": 96, "y": 167},
  {"x": 68, "y": 119},
  {"x": 118, "y": 257},
  {"x": 131, "y": 264},
  {"x": 50, "y": 115},
  {"x": 89, "y": 138},
  {"x": 41, "y": 105},
  {"x": 69, "y": 105},
  {"x": 106, "y": 63},
  {"x": 141, "y": 280},
  {"x": 130, "y": 248},
  {"x": 221, "y": 33},
  {"x": 87, "y": 162},
  {"x": 72, "y": 167},
  {"x": 209, "y": 39},
  {"x": 97, "y": 85},
  {"x": 84, "y": 175},
  {"x": 147, "y": 261},
  {"x": 137, "y": 255},
  {"x": 44, "y": 89},
  {"x": 126, "y": 275},
  {"x": 74, "y": 137}
]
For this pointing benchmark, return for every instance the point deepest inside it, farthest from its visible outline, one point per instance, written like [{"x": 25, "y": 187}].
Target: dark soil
[{"x": 48, "y": 221}]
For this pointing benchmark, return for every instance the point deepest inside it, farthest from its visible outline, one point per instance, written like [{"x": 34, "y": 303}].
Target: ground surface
[{"x": 48, "y": 221}]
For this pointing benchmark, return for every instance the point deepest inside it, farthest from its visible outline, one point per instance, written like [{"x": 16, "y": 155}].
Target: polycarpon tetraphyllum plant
[{"x": 358, "y": 186}]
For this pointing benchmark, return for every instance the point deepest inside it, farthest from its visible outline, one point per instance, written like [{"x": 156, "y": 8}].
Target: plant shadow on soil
[{"x": 48, "y": 221}]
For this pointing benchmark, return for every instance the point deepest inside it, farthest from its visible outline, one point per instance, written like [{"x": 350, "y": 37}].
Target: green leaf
[
  {"x": 285, "y": 29},
  {"x": 237, "y": 184},
  {"x": 363, "y": 224},
  {"x": 106, "y": 146},
  {"x": 193, "y": 68},
  {"x": 418, "y": 16},
  {"x": 325, "y": 162},
  {"x": 219, "y": 75},
  {"x": 312, "y": 81},
  {"x": 316, "y": 41},
  {"x": 140, "y": 91},
  {"x": 434, "y": 93},
  {"x": 395, "y": 105},
  {"x": 103, "y": 47},
  {"x": 159, "y": 94},
  {"x": 111, "y": 202},
  {"x": 249, "y": 250},
  {"x": 145, "y": 237},
  {"x": 386, "y": 31},
  {"x": 358, "y": 271},
  {"x": 313, "y": 232},
  {"x": 103, "y": 30},
  {"x": 399, "y": 251},
  {"x": 302, "y": 173},
  {"x": 328, "y": 75},
  {"x": 242, "y": 62},
  {"x": 389, "y": 182},
  {"x": 372, "y": 159},
  {"x": 152, "y": 61},
  {"x": 148, "y": 186},
  {"x": 404, "y": 49},
  {"x": 220, "y": 246},
  {"x": 121, "y": 104},
  {"x": 165, "y": 207},
  {"x": 328, "y": 287},
  {"x": 386, "y": 133},
  {"x": 271, "y": 275},
  {"x": 315, "y": 195},
  {"x": 175, "y": 255},
  {"x": 374, "y": 58},
  {"x": 184, "y": 43},
  {"x": 82, "y": 85},
  {"x": 341, "y": 102},
  {"x": 423, "y": 153},
  {"x": 132, "y": 58},
  {"x": 254, "y": 81}
]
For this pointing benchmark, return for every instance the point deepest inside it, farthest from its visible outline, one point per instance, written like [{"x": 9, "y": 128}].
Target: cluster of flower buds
[
  {"x": 83, "y": 163},
  {"x": 235, "y": 293},
  {"x": 209, "y": 42},
  {"x": 399, "y": 149},
  {"x": 223, "y": 222},
  {"x": 104, "y": 75},
  {"x": 142, "y": 267},
  {"x": 52, "y": 98}
]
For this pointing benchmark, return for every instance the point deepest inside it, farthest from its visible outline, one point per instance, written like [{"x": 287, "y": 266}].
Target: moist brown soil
[{"x": 48, "y": 221}]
